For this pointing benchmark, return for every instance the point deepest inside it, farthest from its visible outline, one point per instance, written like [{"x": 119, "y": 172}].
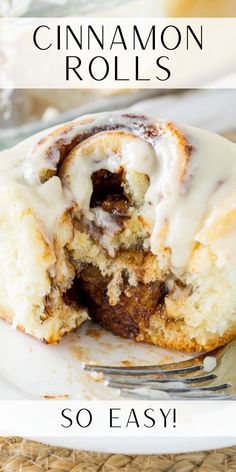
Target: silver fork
[{"x": 188, "y": 379}]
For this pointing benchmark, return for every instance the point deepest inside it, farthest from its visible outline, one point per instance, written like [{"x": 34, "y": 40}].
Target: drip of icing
[{"x": 190, "y": 199}]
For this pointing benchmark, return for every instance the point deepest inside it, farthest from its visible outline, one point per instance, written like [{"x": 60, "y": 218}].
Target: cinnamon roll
[
  {"x": 125, "y": 219},
  {"x": 202, "y": 8}
]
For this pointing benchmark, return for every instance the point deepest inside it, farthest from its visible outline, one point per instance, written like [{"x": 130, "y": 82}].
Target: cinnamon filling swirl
[{"x": 135, "y": 306}]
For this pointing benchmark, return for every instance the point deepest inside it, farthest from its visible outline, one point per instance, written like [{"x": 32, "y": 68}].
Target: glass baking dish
[
  {"x": 25, "y": 112},
  {"x": 59, "y": 8},
  {"x": 168, "y": 8}
]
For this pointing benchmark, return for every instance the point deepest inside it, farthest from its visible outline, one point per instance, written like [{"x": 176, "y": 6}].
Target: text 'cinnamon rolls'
[{"x": 125, "y": 219}]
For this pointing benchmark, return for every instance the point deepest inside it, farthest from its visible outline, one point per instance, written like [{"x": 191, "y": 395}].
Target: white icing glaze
[
  {"x": 48, "y": 201},
  {"x": 191, "y": 198}
]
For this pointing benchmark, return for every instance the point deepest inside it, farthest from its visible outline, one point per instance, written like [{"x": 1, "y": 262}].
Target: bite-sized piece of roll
[{"x": 125, "y": 219}]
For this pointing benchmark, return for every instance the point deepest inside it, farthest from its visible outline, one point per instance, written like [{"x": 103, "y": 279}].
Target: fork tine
[
  {"x": 151, "y": 381},
  {"x": 184, "y": 367},
  {"x": 157, "y": 395},
  {"x": 168, "y": 389}
]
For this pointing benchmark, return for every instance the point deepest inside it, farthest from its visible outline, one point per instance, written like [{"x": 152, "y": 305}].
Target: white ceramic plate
[{"x": 32, "y": 370}]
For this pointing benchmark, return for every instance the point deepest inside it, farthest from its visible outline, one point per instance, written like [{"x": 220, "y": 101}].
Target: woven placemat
[{"x": 20, "y": 455}]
